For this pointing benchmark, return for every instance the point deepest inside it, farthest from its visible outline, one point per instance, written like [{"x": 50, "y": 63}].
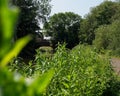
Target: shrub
[
  {"x": 79, "y": 72},
  {"x": 108, "y": 38}
]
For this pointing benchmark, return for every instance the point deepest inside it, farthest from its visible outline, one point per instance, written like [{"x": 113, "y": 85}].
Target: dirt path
[{"x": 116, "y": 65}]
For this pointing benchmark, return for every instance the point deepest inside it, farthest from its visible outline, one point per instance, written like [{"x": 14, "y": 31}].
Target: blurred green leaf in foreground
[{"x": 10, "y": 49}]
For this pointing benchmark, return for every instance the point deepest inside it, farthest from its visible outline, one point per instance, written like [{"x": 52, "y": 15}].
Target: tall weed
[{"x": 78, "y": 72}]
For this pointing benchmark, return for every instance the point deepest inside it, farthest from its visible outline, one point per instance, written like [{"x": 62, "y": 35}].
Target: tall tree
[
  {"x": 99, "y": 15},
  {"x": 108, "y": 37},
  {"x": 64, "y": 27},
  {"x": 32, "y": 14}
]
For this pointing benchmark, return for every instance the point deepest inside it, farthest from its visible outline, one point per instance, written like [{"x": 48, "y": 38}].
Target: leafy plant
[
  {"x": 107, "y": 37},
  {"x": 79, "y": 72},
  {"x": 10, "y": 84}
]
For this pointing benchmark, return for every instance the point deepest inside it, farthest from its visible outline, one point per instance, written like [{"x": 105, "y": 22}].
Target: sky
[{"x": 81, "y": 7}]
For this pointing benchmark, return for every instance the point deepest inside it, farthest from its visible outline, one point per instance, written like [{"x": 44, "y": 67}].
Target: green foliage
[
  {"x": 8, "y": 19},
  {"x": 44, "y": 10},
  {"x": 64, "y": 27},
  {"x": 79, "y": 72},
  {"x": 103, "y": 14},
  {"x": 13, "y": 84},
  {"x": 21, "y": 86},
  {"x": 102, "y": 39},
  {"x": 33, "y": 13},
  {"x": 20, "y": 66},
  {"x": 6, "y": 25},
  {"x": 86, "y": 34},
  {"x": 107, "y": 31},
  {"x": 108, "y": 37},
  {"x": 114, "y": 87},
  {"x": 47, "y": 51}
]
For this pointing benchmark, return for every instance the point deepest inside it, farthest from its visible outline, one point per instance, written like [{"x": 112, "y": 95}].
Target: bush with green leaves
[
  {"x": 108, "y": 37},
  {"x": 78, "y": 72}
]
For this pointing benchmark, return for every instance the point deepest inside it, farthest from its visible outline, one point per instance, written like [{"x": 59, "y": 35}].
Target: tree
[
  {"x": 117, "y": 14},
  {"x": 100, "y": 15},
  {"x": 64, "y": 27},
  {"x": 102, "y": 39},
  {"x": 32, "y": 14},
  {"x": 114, "y": 36},
  {"x": 108, "y": 37},
  {"x": 86, "y": 33}
]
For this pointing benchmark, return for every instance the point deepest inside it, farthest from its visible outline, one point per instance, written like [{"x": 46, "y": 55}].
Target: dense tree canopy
[
  {"x": 105, "y": 13},
  {"x": 64, "y": 27},
  {"x": 69, "y": 27},
  {"x": 27, "y": 23},
  {"x": 108, "y": 37},
  {"x": 32, "y": 14}
]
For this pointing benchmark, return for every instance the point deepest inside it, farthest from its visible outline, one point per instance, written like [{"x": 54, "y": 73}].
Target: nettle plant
[
  {"x": 78, "y": 72},
  {"x": 13, "y": 84}
]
